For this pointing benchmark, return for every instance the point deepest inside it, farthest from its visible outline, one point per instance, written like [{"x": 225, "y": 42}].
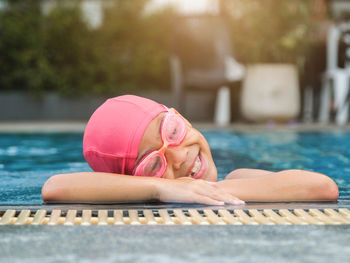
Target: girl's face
[{"x": 182, "y": 160}]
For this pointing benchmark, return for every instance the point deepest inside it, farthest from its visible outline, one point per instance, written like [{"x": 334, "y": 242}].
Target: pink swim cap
[{"x": 114, "y": 132}]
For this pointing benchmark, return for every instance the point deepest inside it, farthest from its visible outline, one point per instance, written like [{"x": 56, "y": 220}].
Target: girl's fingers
[
  {"x": 209, "y": 201},
  {"x": 211, "y": 183},
  {"x": 234, "y": 200},
  {"x": 205, "y": 192},
  {"x": 228, "y": 198},
  {"x": 238, "y": 202},
  {"x": 219, "y": 195}
]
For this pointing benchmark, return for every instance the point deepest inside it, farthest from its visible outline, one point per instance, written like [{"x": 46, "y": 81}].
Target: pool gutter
[{"x": 300, "y": 213}]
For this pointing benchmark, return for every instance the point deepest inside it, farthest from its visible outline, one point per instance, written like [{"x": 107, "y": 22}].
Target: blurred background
[{"x": 216, "y": 61}]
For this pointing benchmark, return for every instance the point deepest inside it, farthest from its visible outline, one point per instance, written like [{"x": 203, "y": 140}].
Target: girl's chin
[{"x": 211, "y": 174}]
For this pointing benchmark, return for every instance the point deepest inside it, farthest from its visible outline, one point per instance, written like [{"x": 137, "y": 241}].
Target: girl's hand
[{"x": 189, "y": 190}]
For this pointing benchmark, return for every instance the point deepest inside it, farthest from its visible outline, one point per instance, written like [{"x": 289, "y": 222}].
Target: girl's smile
[{"x": 191, "y": 158}]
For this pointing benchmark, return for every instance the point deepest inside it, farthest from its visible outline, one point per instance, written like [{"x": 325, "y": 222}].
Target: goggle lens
[
  {"x": 154, "y": 166},
  {"x": 173, "y": 131}
]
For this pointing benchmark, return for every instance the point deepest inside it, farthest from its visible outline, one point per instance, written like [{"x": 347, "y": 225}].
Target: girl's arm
[
  {"x": 246, "y": 173},
  {"x": 288, "y": 185},
  {"x": 97, "y": 187}
]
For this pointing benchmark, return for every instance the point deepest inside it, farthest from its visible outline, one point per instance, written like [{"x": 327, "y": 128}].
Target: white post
[
  {"x": 341, "y": 89},
  {"x": 325, "y": 100},
  {"x": 223, "y": 107},
  {"x": 308, "y": 104}
]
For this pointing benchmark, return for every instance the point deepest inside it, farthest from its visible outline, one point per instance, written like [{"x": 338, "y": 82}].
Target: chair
[
  {"x": 202, "y": 59},
  {"x": 334, "y": 98}
]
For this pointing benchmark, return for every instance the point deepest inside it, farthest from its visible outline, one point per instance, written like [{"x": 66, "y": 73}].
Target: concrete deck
[
  {"x": 175, "y": 244},
  {"x": 76, "y": 126}
]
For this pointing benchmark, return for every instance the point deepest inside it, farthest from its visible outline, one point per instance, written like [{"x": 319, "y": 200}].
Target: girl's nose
[{"x": 176, "y": 156}]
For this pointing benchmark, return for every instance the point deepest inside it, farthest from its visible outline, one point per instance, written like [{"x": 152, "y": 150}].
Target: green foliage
[
  {"x": 136, "y": 46},
  {"x": 270, "y": 30},
  {"x": 21, "y": 46},
  {"x": 71, "y": 51},
  {"x": 60, "y": 52}
]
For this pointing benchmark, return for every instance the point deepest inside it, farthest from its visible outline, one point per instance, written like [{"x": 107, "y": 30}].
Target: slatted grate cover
[{"x": 177, "y": 217}]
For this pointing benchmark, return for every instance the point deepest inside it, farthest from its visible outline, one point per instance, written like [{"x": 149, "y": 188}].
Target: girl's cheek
[{"x": 169, "y": 174}]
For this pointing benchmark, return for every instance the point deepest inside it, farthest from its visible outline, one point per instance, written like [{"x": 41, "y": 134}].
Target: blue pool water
[{"x": 27, "y": 160}]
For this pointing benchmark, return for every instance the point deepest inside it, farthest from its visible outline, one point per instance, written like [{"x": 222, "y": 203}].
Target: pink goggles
[{"x": 173, "y": 130}]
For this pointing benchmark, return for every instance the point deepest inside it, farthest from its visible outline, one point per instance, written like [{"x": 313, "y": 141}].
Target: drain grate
[{"x": 177, "y": 217}]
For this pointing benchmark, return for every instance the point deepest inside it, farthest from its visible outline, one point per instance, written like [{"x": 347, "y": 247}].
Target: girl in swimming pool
[{"x": 141, "y": 150}]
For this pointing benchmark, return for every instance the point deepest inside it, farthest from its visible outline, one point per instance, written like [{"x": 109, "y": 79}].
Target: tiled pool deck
[{"x": 178, "y": 243}]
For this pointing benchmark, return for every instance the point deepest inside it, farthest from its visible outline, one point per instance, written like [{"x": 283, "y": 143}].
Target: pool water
[{"x": 27, "y": 160}]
